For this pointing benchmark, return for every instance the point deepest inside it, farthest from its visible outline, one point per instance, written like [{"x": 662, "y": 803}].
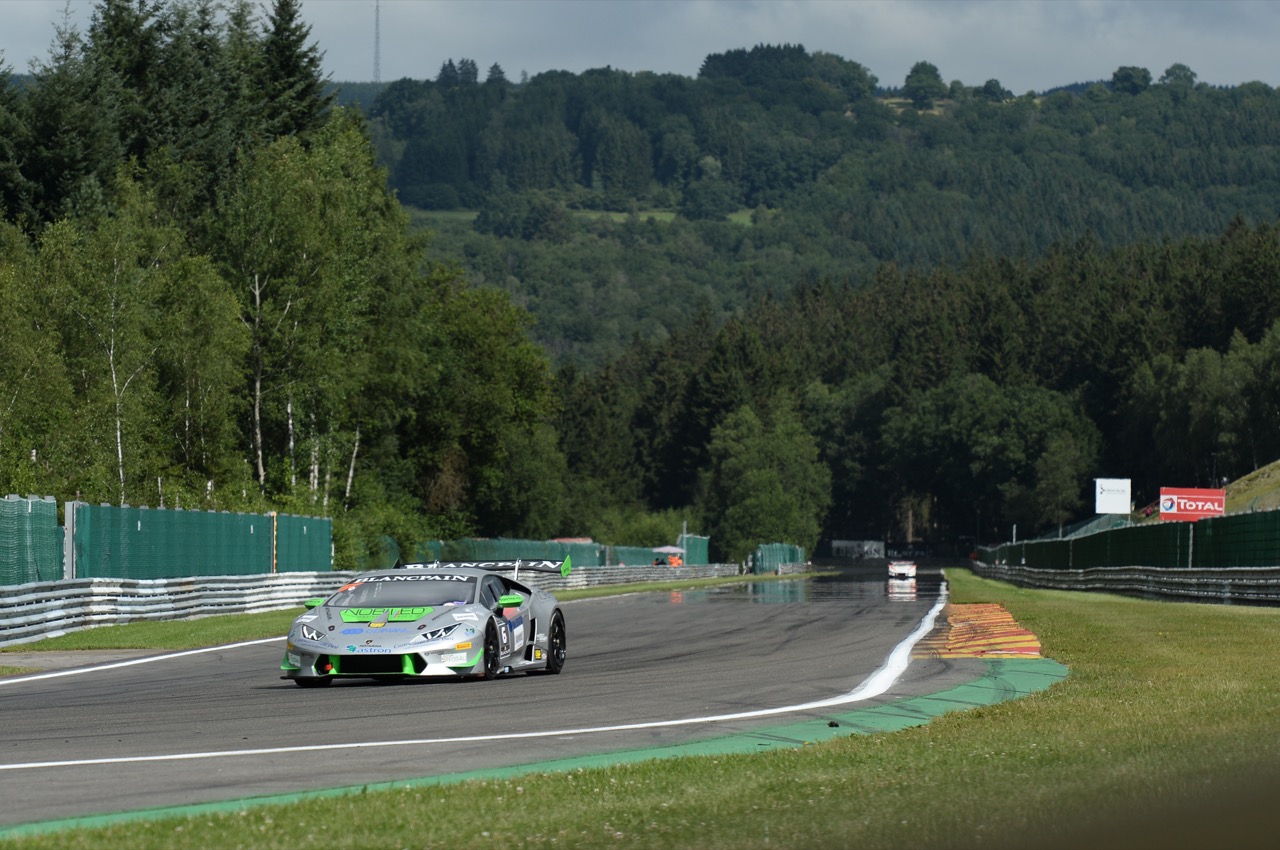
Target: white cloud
[{"x": 1026, "y": 44}]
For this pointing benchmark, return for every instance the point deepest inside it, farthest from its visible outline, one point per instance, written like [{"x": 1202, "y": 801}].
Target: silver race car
[{"x": 421, "y": 620}]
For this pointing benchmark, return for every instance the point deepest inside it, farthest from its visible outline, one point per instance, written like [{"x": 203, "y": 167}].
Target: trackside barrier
[
  {"x": 507, "y": 549},
  {"x": 47, "y": 609},
  {"x": 584, "y": 555},
  {"x": 111, "y": 541},
  {"x": 37, "y": 610},
  {"x": 30, "y": 540},
  {"x": 1223, "y": 559},
  {"x": 770, "y": 557},
  {"x": 1227, "y": 584}
]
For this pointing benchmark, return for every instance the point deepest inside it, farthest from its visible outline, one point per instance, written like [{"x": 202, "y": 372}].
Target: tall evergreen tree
[
  {"x": 15, "y": 140},
  {"x": 126, "y": 37},
  {"x": 74, "y": 113},
  {"x": 292, "y": 88}
]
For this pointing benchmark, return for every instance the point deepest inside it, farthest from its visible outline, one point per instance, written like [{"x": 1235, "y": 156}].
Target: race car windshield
[{"x": 410, "y": 591}]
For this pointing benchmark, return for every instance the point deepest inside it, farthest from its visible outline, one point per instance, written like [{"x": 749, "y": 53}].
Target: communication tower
[{"x": 377, "y": 41}]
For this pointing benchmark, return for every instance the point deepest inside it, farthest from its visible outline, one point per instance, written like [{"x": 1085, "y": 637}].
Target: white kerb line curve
[{"x": 874, "y": 685}]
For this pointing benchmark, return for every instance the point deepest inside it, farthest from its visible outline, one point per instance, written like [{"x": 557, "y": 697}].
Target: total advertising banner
[{"x": 1182, "y": 504}]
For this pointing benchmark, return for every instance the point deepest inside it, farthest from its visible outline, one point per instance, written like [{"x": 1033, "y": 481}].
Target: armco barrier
[
  {"x": 1233, "y": 558},
  {"x": 38, "y": 610},
  {"x": 1254, "y": 585},
  {"x": 30, "y": 612}
]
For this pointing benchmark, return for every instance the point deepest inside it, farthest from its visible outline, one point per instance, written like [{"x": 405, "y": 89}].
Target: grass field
[{"x": 1166, "y": 734}]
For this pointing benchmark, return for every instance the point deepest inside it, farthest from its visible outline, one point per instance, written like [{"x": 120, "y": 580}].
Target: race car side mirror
[
  {"x": 313, "y": 603},
  {"x": 510, "y": 600}
]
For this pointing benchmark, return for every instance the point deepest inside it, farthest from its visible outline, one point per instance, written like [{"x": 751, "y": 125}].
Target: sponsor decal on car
[
  {"x": 364, "y": 615},
  {"x": 515, "y": 628},
  {"x": 463, "y": 645},
  {"x": 420, "y": 577},
  {"x": 295, "y": 659},
  {"x": 453, "y": 659},
  {"x": 367, "y": 650}
]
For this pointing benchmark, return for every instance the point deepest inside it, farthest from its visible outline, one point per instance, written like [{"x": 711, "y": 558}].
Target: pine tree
[{"x": 292, "y": 86}]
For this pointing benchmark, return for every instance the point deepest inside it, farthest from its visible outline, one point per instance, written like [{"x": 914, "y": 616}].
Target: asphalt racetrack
[{"x": 643, "y": 670}]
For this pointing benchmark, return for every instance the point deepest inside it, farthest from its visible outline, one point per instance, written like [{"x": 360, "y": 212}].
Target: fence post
[{"x": 69, "y": 510}]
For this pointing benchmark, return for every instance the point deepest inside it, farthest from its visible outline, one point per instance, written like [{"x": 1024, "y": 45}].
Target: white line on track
[
  {"x": 34, "y": 677},
  {"x": 875, "y": 684}
]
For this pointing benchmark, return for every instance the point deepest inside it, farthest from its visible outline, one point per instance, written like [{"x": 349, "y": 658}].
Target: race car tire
[
  {"x": 556, "y": 644},
  {"x": 492, "y": 653},
  {"x": 313, "y": 681}
]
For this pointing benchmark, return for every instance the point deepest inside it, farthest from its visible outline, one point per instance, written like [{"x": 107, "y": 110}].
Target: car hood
[{"x": 389, "y": 627}]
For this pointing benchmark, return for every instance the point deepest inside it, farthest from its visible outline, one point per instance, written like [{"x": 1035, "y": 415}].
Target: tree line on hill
[
  {"x": 949, "y": 310},
  {"x": 955, "y": 401},
  {"x": 837, "y": 174}
]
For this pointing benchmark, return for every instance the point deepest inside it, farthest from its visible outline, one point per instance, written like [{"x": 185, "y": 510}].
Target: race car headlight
[
  {"x": 310, "y": 634},
  {"x": 438, "y": 634}
]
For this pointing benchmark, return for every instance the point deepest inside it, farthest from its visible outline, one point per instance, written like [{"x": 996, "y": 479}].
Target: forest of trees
[
  {"x": 837, "y": 173},
  {"x": 211, "y": 299},
  {"x": 777, "y": 302}
]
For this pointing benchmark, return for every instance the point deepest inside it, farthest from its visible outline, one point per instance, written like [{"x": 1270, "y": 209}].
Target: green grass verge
[{"x": 1166, "y": 734}]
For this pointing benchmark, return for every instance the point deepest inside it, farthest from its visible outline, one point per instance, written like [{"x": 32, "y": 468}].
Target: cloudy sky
[{"x": 1025, "y": 44}]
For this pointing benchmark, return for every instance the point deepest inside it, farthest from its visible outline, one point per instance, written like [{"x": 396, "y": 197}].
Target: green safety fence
[
  {"x": 31, "y": 540},
  {"x": 583, "y": 554},
  {"x": 1241, "y": 540},
  {"x": 769, "y": 556},
  {"x": 634, "y": 556},
  {"x": 303, "y": 544},
  {"x": 504, "y": 549},
  {"x": 696, "y": 549},
  {"x": 144, "y": 543}
]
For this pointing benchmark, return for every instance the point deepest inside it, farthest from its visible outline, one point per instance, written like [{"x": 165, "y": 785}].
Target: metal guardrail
[
  {"x": 47, "y": 609},
  {"x": 37, "y": 610},
  {"x": 1253, "y": 585}
]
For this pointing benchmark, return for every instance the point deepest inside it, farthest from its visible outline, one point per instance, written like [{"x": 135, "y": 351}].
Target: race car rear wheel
[
  {"x": 556, "y": 644},
  {"x": 492, "y": 652}
]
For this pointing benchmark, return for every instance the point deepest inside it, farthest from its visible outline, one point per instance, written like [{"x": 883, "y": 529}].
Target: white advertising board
[{"x": 1111, "y": 496}]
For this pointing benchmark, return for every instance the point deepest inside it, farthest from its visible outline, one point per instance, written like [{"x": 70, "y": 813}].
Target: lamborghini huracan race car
[{"x": 420, "y": 620}]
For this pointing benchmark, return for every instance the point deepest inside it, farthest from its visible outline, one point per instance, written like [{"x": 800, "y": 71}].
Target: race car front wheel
[
  {"x": 492, "y": 653},
  {"x": 556, "y": 644}
]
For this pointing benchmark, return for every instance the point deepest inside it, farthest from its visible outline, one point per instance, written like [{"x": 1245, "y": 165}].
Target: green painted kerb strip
[{"x": 1006, "y": 679}]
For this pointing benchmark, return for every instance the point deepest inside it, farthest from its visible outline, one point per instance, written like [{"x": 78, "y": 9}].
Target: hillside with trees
[
  {"x": 777, "y": 301},
  {"x": 571, "y": 175}
]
